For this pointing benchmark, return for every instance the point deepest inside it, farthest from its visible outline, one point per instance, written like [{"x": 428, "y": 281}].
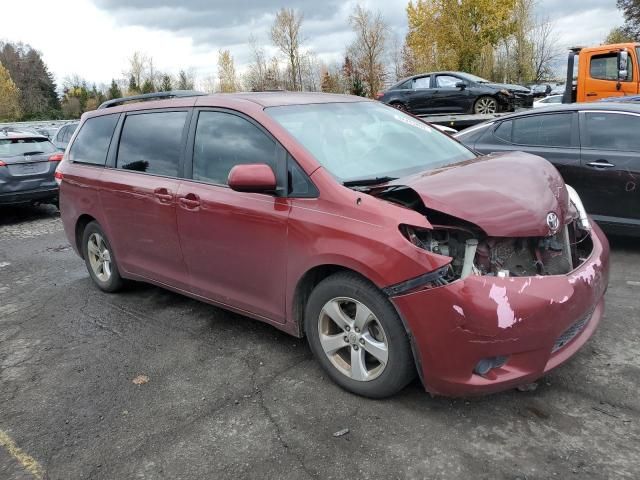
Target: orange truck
[{"x": 602, "y": 71}]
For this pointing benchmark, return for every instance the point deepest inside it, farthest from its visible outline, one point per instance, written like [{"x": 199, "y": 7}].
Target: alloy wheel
[
  {"x": 99, "y": 257},
  {"x": 486, "y": 105},
  {"x": 353, "y": 339}
]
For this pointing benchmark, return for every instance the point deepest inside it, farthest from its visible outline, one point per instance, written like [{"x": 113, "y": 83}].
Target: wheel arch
[
  {"x": 307, "y": 283},
  {"x": 81, "y": 224}
]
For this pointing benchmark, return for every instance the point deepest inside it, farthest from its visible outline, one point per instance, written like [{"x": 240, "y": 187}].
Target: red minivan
[{"x": 389, "y": 245}]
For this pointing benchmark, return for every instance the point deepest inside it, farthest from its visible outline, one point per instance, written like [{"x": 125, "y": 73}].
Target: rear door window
[
  {"x": 224, "y": 140},
  {"x": 552, "y": 130},
  {"x": 92, "y": 142},
  {"x": 422, "y": 82},
  {"x": 152, "y": 142},
  {"x": 612, "y": 131}
]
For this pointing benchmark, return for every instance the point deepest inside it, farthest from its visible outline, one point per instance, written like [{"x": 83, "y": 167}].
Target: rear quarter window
[{"x": 92, "y": 142}]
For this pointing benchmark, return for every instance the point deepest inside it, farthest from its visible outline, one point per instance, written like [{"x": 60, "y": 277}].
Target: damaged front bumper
[{"x": 535, "y": 322}]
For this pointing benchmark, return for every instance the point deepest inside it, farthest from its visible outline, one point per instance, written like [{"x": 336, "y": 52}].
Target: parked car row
[{"x": 390, "y": 244}]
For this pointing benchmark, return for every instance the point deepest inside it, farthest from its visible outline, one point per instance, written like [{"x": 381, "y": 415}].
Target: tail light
[
  {"x": 2, "y": 164},
  {"x": 379, "y": 95},
  {"x": 56, "y": 157},
  {"x": 58, "y": 177}
]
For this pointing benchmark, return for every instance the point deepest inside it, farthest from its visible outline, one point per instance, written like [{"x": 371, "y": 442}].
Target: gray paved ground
[{"x": 228, "y": 397}]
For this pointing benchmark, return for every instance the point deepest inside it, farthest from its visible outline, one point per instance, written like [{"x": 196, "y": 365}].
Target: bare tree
[
  {"x": 396, "y": 57},
  {"x": 286, "y": 35},
  {"x": 255, "y": 77},
  {"x": 369, "y": 47},
  {"x": 545, "y": 49},
  {"x": 137, "y": 68}
]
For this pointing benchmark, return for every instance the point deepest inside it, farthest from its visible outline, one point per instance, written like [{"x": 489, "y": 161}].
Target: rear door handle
[
  {"x": 163, "y": 194},
  {"x": 592, "y": 94},
  {"x": 190, "y": 201},
  {"x": 601, "y": 164}
]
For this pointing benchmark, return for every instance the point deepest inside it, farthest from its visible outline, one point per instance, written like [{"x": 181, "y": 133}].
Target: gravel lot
[{"x": 228, "y": 397}]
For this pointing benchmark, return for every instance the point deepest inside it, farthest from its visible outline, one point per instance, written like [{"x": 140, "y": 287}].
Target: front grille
[{"x": 570, "y": 333}]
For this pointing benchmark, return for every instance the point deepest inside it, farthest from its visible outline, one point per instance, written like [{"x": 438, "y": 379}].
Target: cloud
[{"x": 94, "y": 38}]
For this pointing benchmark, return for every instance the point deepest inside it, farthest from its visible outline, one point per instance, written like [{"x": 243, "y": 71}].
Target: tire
[
  {"x": 400, "y": 106},
  {"x": 485, "y": 105},
  {"x": 356, "y": 302},
  {"x": 100, "y": 259}
]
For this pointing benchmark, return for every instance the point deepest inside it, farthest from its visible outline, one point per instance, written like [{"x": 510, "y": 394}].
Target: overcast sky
[{"x": 94, "y": 38}]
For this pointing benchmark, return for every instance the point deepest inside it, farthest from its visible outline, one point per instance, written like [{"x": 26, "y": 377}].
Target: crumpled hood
[
  {"x": 507, "y": 194},
  {"x": 506, "y": 86}
]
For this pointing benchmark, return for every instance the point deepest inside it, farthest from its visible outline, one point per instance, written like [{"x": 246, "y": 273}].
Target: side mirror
[
  {"x": 623, "y": 63},
  {"x": 253, "y": 177},
  {"x": 461, "y": 85}
]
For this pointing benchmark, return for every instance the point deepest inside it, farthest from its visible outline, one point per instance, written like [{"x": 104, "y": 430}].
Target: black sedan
[
  {"x": 455, "y": 92},
  {"x": 595, "y": 146}
]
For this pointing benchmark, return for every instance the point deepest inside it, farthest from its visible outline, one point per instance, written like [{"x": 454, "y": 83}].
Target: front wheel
[
  {"x": 485, "y": 105},
  {"x": 357, "y": 337}
]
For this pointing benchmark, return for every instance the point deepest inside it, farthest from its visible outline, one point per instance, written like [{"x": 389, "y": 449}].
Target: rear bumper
[
  {"x": 536, "y": 322},
  {"x": 27, "y": 196}
]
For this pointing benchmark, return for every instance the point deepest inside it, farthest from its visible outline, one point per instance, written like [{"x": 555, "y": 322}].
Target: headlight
[
  {"x": 506, "y": 92},
  {"x": 574, "y": 198}
]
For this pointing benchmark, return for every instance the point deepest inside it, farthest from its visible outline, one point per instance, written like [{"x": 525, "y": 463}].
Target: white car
[{"x": 546, "y": 101}]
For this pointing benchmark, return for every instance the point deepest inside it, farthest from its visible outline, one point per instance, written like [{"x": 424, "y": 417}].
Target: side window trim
[
  {"x": 114, "y": 147},
  {"x": 281, "y": 174}
]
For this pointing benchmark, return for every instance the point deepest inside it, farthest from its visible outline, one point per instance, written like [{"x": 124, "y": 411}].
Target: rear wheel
[
  {"x": 485, "y": 105},
  {"x": 99, "y": 258},
  {"x": 357, "y": 336}
]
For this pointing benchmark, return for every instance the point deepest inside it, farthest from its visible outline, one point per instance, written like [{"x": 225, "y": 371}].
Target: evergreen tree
[
  {"x": 38, "y": 97},
  {"x": 114, "y": 91},
  {"x": 147, "y": 86},
  {"x": 184, "y": 82},
  {"x": 165, "y": 85},
  {"x": 133, "y": 86}
]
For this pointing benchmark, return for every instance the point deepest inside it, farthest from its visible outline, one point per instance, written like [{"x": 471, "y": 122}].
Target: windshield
[
  {"x": 368, "y": 140},
  {"x": 11, "y": 147},
  {"x": 474, "y": 78}
]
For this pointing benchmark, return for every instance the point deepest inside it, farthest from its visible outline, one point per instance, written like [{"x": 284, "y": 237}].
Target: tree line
[{"x": 502, "y": 40}]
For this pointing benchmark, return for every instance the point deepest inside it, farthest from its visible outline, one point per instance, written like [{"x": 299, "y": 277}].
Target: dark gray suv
[{"x": 27, "y": 167}]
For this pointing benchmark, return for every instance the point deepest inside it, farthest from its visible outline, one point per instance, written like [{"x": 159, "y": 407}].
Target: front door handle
[
  {"x": 163, "y": 194},
  {"x": 190, "y": 201},
  {"x": 601, "y": 164},
  {"x": 592, "y": 94}
]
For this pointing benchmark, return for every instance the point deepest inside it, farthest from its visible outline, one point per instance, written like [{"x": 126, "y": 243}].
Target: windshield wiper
[{"x": 365, "y": 182}]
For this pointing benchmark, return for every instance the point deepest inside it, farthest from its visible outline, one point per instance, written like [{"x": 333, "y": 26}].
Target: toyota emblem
[{"x": 552, "y": 221}]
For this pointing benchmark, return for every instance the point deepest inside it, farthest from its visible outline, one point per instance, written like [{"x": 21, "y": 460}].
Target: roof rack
[{"x": 151, "y": 96}]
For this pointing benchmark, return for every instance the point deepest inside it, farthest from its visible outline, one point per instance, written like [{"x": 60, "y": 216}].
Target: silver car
[
  {"x": 62, "y": 137},
  {"x": 27, "y": 166}
]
